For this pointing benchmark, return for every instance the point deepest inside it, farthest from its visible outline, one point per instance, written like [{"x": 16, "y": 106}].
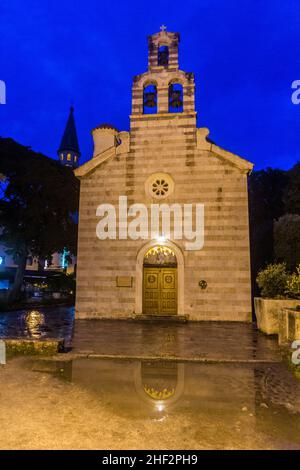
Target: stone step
[{"x": 163, "y": 318}]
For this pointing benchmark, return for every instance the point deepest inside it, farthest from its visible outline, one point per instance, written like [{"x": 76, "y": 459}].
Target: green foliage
[
  {"x": 272, "y": 280},
  {"x": 287, "y": 240},
  {"x": 293, "y": 284},
  {"x": 275, "y": 282}
]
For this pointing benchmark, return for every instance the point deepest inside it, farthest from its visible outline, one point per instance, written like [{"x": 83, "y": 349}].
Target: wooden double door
[{"x": 160, "y": 291}]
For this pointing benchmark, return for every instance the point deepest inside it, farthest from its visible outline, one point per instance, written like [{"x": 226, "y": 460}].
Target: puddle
[
  {"x": 202, "y": 405},
  {"x": 145, "y": 404},
  {"x": 38, "y": 323}
]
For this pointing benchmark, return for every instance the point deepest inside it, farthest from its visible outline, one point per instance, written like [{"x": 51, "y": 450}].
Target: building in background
[
  {"x": 39, "y": 270},
  {"x": 68, "y": 152}
]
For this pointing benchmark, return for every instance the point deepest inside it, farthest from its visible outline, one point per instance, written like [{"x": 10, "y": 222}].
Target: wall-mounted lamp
[{"x": 203, "y": 284}]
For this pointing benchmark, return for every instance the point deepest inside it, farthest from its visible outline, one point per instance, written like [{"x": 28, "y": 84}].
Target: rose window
[{"x": 160, "y": 187}]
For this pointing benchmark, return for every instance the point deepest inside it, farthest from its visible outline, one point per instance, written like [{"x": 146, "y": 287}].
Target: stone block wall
[{"x": 168, "y": 143}]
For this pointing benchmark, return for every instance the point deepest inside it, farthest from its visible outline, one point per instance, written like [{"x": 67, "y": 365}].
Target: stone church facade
[{"x": 164, "y": 159}]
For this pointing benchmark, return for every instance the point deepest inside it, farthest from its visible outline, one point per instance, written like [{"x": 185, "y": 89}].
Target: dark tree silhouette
[
  {"x": 287, "y": 240},
  {"x": 292, "y": 191},
  {"x": 38, "y": 201},
  {"x": 266, "y": 190}
]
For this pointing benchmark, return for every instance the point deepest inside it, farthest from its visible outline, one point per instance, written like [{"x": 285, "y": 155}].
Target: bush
[
  {"x": 273, "y": 280},
  {"x": 293, "y": 284}
]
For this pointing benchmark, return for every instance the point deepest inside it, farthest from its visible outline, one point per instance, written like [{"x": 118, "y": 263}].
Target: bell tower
[
  {"x": 163, "y": 117},
  {"x": 163, "y": 50},
  {"x": 164, "y": 88}
]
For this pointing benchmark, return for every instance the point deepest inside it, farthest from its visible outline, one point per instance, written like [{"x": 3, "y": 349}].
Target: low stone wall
[
  {"x": 289, "y": 326},
  {"x": 31, "y": 347},
  {"x": 267, "y": 312}
]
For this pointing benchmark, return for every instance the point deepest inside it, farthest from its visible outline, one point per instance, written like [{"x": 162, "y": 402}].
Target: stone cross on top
[{"x": 163, "y": 27}]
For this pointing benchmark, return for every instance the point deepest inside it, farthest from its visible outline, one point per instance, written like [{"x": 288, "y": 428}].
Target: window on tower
[
  {"x": 150, "y": 99},
  {"x": 163, "y": 56},
  {"x": 69, "y": 157},
  {"x": 175, "y": 98},
  {"x": 75, "y": 158},
  {"x": 61, "y": 156}
]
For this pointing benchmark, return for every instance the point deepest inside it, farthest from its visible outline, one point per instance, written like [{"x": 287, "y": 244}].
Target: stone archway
[
  {"x": 159, "y": 384},
  {"x": 139, "y": 274},
  {"x": 160, "y": 281}
]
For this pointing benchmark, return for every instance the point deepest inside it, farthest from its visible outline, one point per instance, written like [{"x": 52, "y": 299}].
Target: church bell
[
  {"x": 175, "y": 97},
  {"x": 163, "y": 56},
  {"x": 150, "y": 99}
]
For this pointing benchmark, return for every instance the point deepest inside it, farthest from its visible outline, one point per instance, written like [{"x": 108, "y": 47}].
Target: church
[{"x": 191, "y": 259}]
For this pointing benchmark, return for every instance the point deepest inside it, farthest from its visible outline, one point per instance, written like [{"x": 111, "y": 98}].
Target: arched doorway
[
  {"x": 160, "y": 293},
  {"x": 159, "y": 384}
]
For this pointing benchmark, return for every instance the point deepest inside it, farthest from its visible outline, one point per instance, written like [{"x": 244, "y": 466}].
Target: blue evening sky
[{"x": 245, "y": 55}]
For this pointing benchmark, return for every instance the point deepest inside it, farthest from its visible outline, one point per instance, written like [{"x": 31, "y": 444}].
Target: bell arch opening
[
  {"x": 163, "y": 55},
  {"x": 175, "y": 98},
  {"x": 150, "y": 99}
]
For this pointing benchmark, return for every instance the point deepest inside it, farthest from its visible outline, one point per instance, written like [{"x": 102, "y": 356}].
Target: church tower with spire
[{"x": 68, "y": 152}]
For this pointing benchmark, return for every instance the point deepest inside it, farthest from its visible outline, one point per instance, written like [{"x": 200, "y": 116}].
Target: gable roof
[
  {"x": 120, "y": 146},
  {"x": 205, "y": 143},
  {"x": 92, "y": 164}
]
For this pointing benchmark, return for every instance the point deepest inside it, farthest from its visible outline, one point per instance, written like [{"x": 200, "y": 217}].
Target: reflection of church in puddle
[
  {"x": 164, "y": 159},
  {"x": 266, "y": 393},
  {"x": 216, "y": 389},
  {"x": 148, "y": 387},
  {"x": 159, "y": 384}
]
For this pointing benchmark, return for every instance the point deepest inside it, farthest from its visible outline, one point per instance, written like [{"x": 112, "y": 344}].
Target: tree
[
  {"x": 266, "y": 190},
  {"x": 287, "y": 240},
  {"x": 292, "y": 191},
  {"x": 37, "y": 205}
]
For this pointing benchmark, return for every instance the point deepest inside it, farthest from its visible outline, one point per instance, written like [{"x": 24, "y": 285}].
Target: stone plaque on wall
[{"x": 124, "y": 281}]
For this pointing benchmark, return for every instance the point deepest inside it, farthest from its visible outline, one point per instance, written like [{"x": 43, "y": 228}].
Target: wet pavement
[
  {"x": 38, "y": 323},
  {"x": 109, "y": 404},
  {"x": 165, "y": 386},
  {"x": 210, "y": 341},
  {"x": 206, "y": 341}
]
